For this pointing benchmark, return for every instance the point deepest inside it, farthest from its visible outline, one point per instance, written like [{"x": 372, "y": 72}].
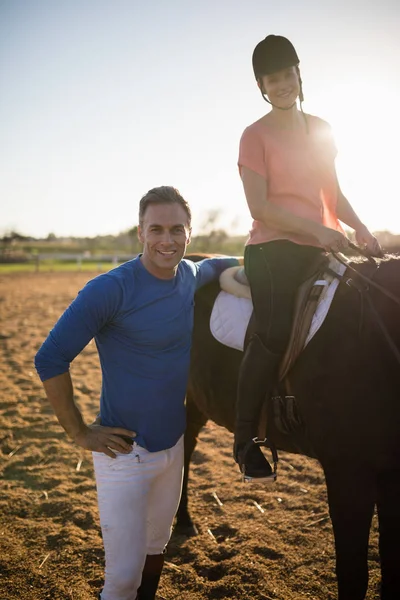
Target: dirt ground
[{"x": 255, "y": 542}]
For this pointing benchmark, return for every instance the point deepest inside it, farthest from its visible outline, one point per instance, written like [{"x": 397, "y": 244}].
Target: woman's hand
[
  {"x": 366, "y": 240},
  {"x": 331, "y": 240}
]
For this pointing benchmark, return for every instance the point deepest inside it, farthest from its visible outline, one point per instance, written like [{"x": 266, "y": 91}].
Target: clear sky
[{"x": 102, "y": 100}]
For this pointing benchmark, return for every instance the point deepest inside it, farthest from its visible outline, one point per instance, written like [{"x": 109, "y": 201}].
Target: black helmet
[{"x": 273, "y": 54}]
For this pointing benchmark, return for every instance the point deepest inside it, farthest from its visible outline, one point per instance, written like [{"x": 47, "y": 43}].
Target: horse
[{"x": 346, "y": 384}]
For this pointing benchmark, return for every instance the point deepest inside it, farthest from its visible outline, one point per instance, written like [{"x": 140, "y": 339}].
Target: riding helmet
[{"x": 273, "y": 54}]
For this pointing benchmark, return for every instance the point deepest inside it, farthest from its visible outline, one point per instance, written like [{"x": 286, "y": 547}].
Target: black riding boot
[
  {"x": 256, "y": 379},
  {"x": 150, "y": 577}
]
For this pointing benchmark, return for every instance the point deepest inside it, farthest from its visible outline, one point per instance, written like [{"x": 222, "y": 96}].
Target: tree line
[{"x": 14, "y": 245}]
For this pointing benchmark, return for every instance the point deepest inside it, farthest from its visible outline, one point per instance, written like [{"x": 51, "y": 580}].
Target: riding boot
[
  {"x": 150, "y": 577},
  {"x": 256, "y": 379}
]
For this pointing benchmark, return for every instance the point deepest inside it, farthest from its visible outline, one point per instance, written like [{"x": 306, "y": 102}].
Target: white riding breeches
[{"x": 138, "y": 495}]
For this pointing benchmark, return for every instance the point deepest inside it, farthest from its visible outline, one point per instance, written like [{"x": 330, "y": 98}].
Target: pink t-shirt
[{"x": 300, "y": 173}]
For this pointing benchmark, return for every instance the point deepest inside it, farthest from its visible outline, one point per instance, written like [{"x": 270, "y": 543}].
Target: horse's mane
[
  {"x": 383, "y": 265},
  {"x": 359, "y": 260},
  {"x": 386, "y": 273}
]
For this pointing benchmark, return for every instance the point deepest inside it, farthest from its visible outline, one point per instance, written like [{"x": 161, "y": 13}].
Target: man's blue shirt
[{"x": 142, "y": 326}]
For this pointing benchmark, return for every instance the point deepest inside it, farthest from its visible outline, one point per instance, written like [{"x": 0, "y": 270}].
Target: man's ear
[
  {"x": 139, "y": 234},
  {"x": 189, "y": 236}
]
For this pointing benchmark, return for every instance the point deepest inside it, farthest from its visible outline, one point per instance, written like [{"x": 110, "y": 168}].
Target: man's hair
[{"x": 164, "y": 194}]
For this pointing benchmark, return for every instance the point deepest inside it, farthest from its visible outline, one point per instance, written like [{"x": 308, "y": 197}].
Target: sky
[{"x": 101, "y": 101}]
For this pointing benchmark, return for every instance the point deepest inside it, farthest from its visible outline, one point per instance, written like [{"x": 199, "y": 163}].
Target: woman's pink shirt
[{"x": 299, "y": 168}]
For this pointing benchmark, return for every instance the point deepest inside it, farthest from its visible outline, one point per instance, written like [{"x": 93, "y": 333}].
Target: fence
[
  {"x": 111, "y": 260},
  {"x": 77, "y": 261}
]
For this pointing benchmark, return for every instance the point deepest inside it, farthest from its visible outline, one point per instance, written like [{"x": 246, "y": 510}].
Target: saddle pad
[
  {"x": 229, "y": 319},
  {"x": 230, "y": 315}
]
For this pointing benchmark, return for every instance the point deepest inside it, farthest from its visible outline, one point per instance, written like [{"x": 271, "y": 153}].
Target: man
[{"x": 141, "y": 317}]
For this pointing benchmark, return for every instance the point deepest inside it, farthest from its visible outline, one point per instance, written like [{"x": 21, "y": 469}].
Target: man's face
[{"x": 165, "y": 234}]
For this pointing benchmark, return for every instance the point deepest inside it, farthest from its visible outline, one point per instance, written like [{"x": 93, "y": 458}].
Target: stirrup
[{"x": 269, "y": 478}]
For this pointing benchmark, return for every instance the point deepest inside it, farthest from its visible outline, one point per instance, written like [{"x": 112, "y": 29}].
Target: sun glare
[{"x": 366, "y": 162}]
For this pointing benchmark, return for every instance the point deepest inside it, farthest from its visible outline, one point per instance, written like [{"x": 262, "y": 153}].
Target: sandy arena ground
[{"x": 254, "y": 542}]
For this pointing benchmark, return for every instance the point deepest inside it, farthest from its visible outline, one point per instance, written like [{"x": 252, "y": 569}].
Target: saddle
[{"x": 232, "y": 321}]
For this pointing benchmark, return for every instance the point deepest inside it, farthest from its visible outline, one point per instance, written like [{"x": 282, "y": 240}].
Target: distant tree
[
  {"x": 211, "y": 242},
  {"x": 133, "y": 236},
  {"x": 14, "y": 236},
  {"x": 209, "y": 221},
  {"x": 9, "y": 240}
]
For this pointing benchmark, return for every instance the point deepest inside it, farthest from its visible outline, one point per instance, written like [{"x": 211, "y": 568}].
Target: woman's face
[{"x": 282, "y": 88}]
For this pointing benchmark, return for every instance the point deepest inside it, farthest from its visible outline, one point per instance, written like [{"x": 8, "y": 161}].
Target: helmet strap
[{"x": 301, "y": 94}]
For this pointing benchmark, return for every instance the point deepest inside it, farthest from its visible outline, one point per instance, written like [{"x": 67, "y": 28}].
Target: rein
[
  {"x": 346, "y": 263},
  {"x": 364, "y": 291}
]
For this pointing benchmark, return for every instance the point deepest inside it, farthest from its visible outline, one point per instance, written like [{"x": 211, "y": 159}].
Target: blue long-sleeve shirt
[{"x": 142, "y": 326}]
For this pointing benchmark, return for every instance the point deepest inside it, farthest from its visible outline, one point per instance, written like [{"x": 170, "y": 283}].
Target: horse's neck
[
  {"x": 387, "y": 275},
  {"x": 386, "y": 296}
]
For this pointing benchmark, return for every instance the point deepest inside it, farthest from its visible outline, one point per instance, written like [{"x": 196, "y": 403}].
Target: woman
[{"x": 286, "y": 162}]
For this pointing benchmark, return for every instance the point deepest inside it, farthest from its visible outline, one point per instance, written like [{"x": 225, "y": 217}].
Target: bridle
[{"x": 364, "y": 292}]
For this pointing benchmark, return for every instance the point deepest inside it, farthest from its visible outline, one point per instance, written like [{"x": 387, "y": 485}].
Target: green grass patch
[{"x": 56, "y": 265}]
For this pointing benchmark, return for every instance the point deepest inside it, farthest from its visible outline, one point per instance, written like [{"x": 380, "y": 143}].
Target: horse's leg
[
  {"x": 195, "y": 421},
  {"x": 351, "y": 497},
  {"x": 389, "y": 533}
]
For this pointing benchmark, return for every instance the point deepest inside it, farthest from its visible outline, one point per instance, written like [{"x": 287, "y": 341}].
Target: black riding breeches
[{"x": 275, "y": 271}]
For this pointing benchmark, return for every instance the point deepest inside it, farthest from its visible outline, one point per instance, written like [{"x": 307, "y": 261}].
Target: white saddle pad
[{"x": 230, "y": 315}]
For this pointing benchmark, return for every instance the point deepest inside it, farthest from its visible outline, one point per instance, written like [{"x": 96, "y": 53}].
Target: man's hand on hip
[{"x": 97, "y": 438}]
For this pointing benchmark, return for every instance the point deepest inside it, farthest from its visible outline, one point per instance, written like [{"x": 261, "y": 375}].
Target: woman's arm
[
  {"x": 255, "y": 189},
  {"x": 348, "y": 216},
  {"x": 346, "y": 212}
]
